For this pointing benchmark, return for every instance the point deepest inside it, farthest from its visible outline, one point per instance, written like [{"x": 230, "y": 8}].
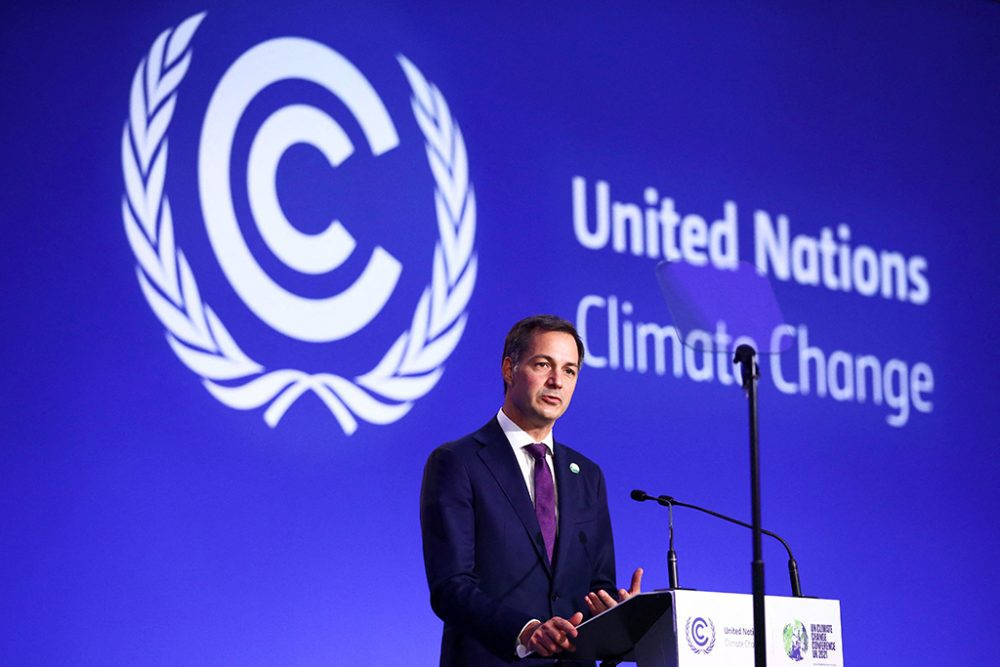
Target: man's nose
[{"x": 554, "y": 379}]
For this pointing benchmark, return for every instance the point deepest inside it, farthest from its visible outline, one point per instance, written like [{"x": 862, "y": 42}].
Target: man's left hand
[{"x": 602, "y": 601}]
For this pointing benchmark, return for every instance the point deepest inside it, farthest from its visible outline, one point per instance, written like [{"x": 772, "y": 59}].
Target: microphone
[
  {"x": 642, "y": 495},
  {"x": 793, "y": 567},
  {"x": 667, "y": 502}
]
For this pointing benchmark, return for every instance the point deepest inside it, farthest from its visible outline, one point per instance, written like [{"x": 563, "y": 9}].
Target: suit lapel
[{"x": 499, "y": 458}]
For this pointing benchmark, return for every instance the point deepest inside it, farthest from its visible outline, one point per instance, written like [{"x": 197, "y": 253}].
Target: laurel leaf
[
  {"x": 444, "y": 123},
  {"x": 435, "y": 354},
  {"x": 467, "y": 227},
  {"x": 167, "y": 253},
  {"x": 171, "y": 79},
  {"x": 460, "y": 164},
  {"x": 418, "y": 328},
  {"x": 182, "y": 36},
  {"x": 407, "y": 388},
  {"x": 134, "y": 191},
  {"x": 173, "y": 320},
  {"x": 446, "y": 232},
  {"x": 137, "y": 118},
  {"x": 445, "y": 185},
  {"x": 208, "y": 364},
  {"x": 154, "y": 184},
  {"x": 439, "y": 294},
  {"x": 154, "y": 67},
  {"x": 143, "y": 252},
  {"x": 417, "y": 82},
  {"x": 193, "y": 306},
  {"x": 361, "y": 403},
  {"x": 159, "y": 122},
  {"x": 431, "y": 131},
  {"x": 255, "y": 393},
  {"x": 459, "y": 297},
  {"x": 228, "y": 346},
  {"x": 390, "y": 362}
]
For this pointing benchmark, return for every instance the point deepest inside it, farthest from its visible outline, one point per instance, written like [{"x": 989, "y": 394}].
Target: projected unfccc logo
[
  {"x": 413, "y": 364},
  {"x": 316, "y": 320}
]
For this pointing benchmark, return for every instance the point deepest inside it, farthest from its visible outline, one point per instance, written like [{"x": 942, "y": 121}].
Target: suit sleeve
[{"x": 448, "y": 526}]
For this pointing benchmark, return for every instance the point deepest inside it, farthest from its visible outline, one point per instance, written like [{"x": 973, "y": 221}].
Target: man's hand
[
  {"x": 552, "y": 636},
  {"x": 601, "y": 601}
]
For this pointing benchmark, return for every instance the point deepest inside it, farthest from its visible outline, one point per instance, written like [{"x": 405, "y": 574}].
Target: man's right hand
[{"x": 552, "y": 636}]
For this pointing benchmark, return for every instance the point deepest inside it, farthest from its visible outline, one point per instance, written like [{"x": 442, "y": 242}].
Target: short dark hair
[{"x": 520, "y": 334}]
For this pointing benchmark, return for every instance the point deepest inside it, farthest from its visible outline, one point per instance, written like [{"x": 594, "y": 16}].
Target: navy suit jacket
[{"x": 483, "y": 550}]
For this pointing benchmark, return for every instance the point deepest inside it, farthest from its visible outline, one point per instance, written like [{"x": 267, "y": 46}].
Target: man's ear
[{"x": 507, "y": 370}]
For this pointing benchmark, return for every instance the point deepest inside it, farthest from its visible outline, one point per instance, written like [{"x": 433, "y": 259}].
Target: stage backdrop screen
[{"x": 260, "y": 259}]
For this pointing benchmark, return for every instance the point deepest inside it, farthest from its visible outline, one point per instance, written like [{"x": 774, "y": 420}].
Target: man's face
[{"x": 541, "y": 384}]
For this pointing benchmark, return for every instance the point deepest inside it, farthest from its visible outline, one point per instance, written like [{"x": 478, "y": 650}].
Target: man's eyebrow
[{"x": 551, "y": 359}]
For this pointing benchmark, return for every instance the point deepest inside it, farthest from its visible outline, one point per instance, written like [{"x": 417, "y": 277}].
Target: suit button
[{"x": 554, "y": 597}]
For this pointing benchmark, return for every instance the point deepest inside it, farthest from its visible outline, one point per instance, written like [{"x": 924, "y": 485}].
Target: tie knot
[{"x": 537, "y": 450}]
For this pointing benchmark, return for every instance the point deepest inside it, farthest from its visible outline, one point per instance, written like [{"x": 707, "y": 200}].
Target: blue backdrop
[{"x": 547, "y": 158}]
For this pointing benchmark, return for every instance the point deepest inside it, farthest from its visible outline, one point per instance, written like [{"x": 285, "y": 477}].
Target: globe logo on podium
[{"x": 796, "y": 640}]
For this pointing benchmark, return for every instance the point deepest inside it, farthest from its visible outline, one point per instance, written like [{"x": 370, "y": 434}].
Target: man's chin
[{"x": 550, "y": 413}]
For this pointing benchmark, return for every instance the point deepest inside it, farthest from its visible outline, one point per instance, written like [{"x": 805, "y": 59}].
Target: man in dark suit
[{"x": 516, "y": 532}]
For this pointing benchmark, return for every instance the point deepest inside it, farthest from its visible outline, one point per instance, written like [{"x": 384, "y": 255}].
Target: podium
[{"x": 685, "y": 628}]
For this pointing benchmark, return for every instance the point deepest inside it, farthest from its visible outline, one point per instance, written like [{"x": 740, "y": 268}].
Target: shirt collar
[{"x": 517, "y": 436}]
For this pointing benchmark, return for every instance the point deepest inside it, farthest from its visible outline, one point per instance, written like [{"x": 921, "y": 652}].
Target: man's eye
[{"x": 571, "y": 371}]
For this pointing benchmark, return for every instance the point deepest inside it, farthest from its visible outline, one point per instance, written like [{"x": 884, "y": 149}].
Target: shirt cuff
[{"x": 520, "y": 649}]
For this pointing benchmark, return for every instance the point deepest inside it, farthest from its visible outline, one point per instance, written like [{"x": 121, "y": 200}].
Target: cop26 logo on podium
[{"x": 412, "y": 365}]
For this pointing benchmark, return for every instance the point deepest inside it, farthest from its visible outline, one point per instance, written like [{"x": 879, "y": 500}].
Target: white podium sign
[
  {"x": 716, "y": 630},
  {"x": 681, "y": 628}
]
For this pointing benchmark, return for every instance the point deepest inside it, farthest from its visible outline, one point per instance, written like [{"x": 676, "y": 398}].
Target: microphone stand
[
  {"x": 750, "y": 373},
  {"x": 671, "y": 554},
  {"x": 793, "y": 566}
]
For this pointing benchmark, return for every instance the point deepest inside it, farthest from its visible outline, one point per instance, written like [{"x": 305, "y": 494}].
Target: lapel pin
[{"x": 574, "y": 468}]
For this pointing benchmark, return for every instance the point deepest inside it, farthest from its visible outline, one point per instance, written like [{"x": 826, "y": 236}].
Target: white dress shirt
[{"x": 519, "y": 439}]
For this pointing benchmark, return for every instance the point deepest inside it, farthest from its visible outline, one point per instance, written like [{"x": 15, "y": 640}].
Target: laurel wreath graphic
[
  {"x": 692, "y": 644},
  {"x": 414, "y": 362}
]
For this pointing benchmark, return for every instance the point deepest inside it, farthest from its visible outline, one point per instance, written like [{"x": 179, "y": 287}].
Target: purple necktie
[{"x": 545, "y": 496}]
